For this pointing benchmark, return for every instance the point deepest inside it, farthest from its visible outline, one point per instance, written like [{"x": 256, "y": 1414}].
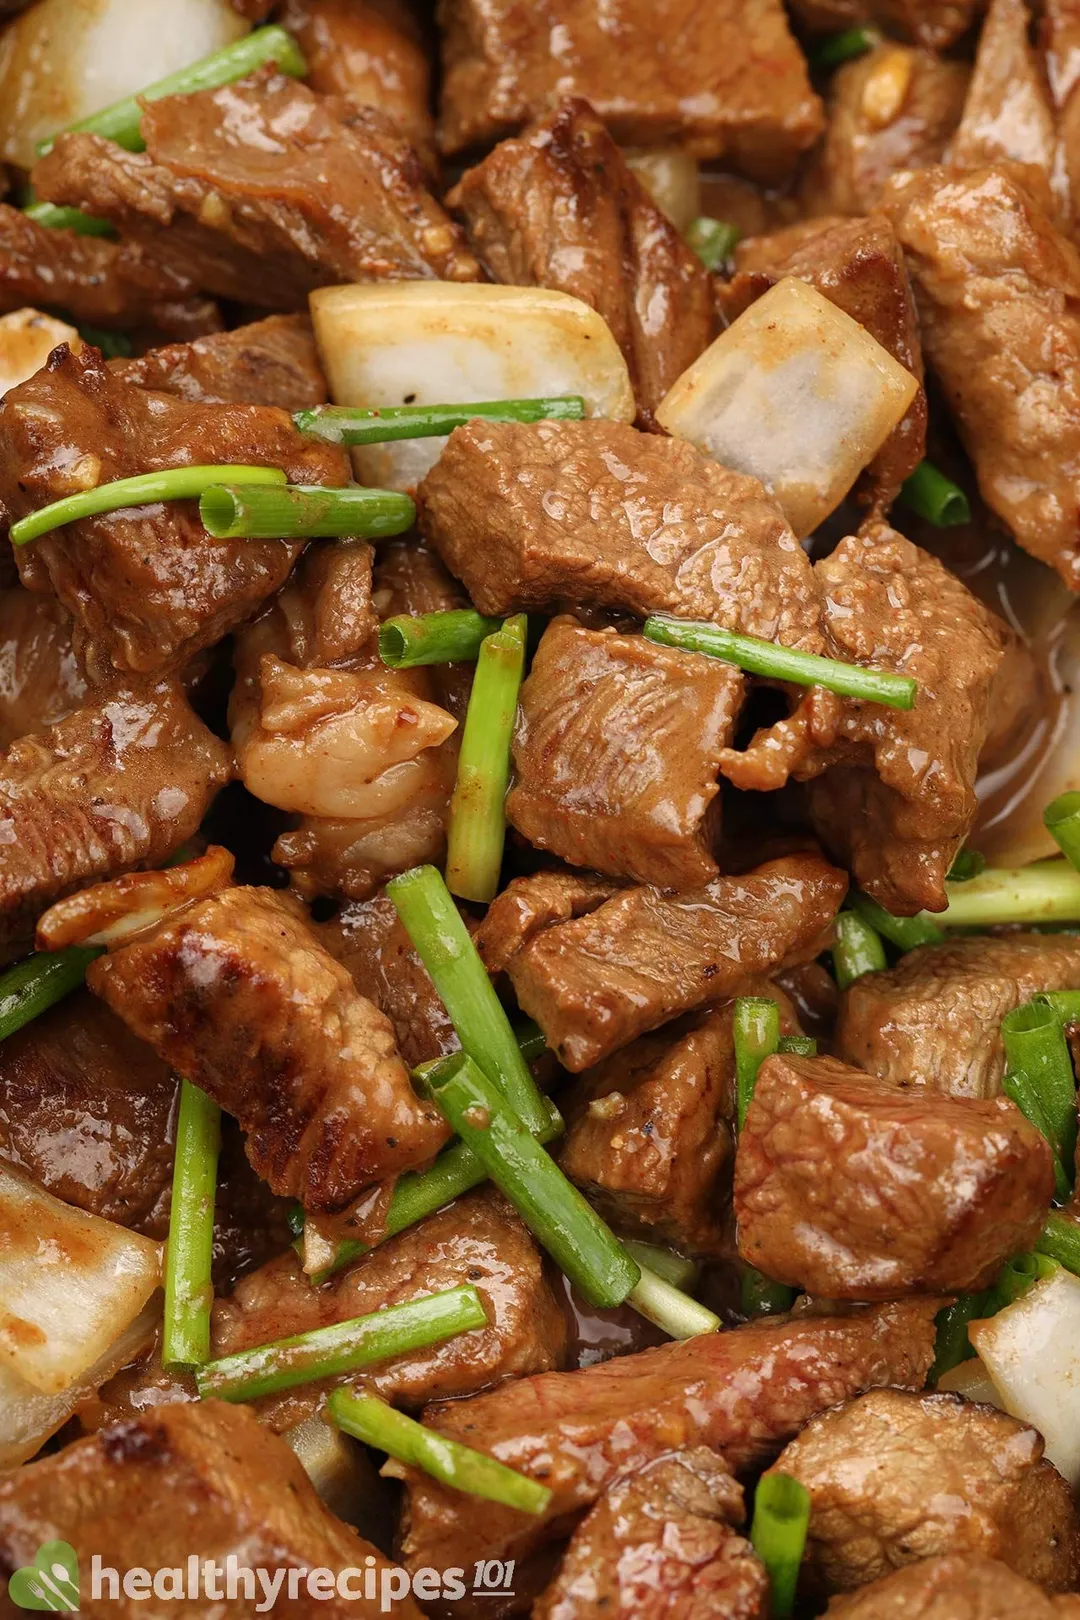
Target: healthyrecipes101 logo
[{"x": 50, "y": 1583}]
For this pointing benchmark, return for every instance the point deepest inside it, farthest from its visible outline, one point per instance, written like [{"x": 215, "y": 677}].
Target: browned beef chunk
[
  {"x": 650, "y": 1132},
  {"x": 858, "y": 265},
  {"x": 479, "y": 1239},
  {"x": 1008, "y": 113},
  {"x": 596, "y": 513},
  {"x": 644, "y": 957},
  {"x": 270, "y": 362},
  {"x": 147, "y": 587},
  {"x": 934, "y": 23},
  {"x": 561, "y": 208},
  {"x": 660, "y": 1543},
  {"x": 738, "y": 1392},
  {"x": 998, "y": 288},
  {"x": 728, "y": 82},
  {"x": 937, "y": 1014},
  {"x": 240, "y": 997},
  {"x": 954, "y": 1587},
  {"x": 616, "y": 754},
  {"x": 40, "y": 679},
  {"x": 893, "y": 109},
  {"x": 104, "y": 283},
  {"x": 854, "y": 1188},
  {"x": 202, "y": 1480},
  {"x": 251, "y": 1224},
  {"x": 86, "y": 1109},
  {"x": 529, "y": 904},
  {"x": 262, "y": 190},
  {"x": 117, "y": 785},
  {"x": 894, "y": 1477}
]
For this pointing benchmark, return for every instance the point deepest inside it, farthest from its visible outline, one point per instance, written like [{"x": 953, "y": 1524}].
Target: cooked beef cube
[
  {"x": 932, "y": 1474},
  {"x": 729, "y": 82},
  {"x": 933, "y": 23},
  {"x": 117, "y": 785},
  {"x": 270, "y": 362},
  {"x": 997, "y": 286},
  {"x": 262, "y": 190},
  {"x": 147, "y": 587},
  {"x": 1008, "y": 113},
  {"x": 937, "y": 1014},
  {"x": 561, "y": 208},
  {"x": 739, "y": 1393},
  {"x": 856, "y": 1188},
  {"x": 239, "y": 996},
  {"x": 368, "y": 937},
  {"x": 616, "y": 753},
  {"x": 478, "y": 1239},
  {"x": 650, "y": 1132},
  {"x": 597, "y": 513},
  {"x": 86, "y": 1109},
  {"x": 890, "y": 110},
  {"x": 204, "y": 1480},
  {"x": 40, "y": 679},
  {"x": 659, "y": 1543},
  {"x": 529, "y": 904},
  {"x": 109, "y": 284},
  {"x": 251, "y": 1223},
  {"x": 858, "y": 265},
  {"x": 954, "y": 1587},
  {"x": 644, "y": 957}
]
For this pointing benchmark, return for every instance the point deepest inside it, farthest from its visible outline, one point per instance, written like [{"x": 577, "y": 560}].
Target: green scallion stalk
[
  {"x": 713, "y": 240},
  {"x": 1062, "y": 821},
  {"x": 1060, "y": 1239},
  {"x": 778, "y": 1536},
  {"x": 668, "y": 1307},
  {"x": 756, "y": 1034},
  {"x": 375, "y": 1423},
  {"x": 774, "y": 662},
  {"x": 843, "y": 47},
  {"x": 477, "y": 831},
  {"x": 967, "y": 865},
  {"x": 798, "y": 1046},
  {"x": 113, "y": 345},
  {"x": 1065, "y": 1004},
  {"x": 189, "y": 1289},
  {"x": 1020, "y": 1089},
  {"x": 532, "y": 1042},
  {"x": 303, "y": 512},
  {"x": 760, "y": 1296},
  {"x": 38, "y": 982},
  {"x": 906, "y": 933},
  {"x": 1035, "y": 1047},
  {"x": 930, "y": 495},
  {"x": 55, "y": 218},
  {"x": 122, "y": 121},
  {"x": 674, "y": 1268},
  {"x": 857, "y": 950},
  {"x": 342, "y": 1347},
  {"x": 341, "y": 424},
  {"x": 453, "y": 637},
  {"x": 1020, "y": 1274},
  {"x": 1046, "y": 892},
  {"x": 147, "y": 489},
  {"x": 442, "y": 942},
  {"x": 952, "y": 1345}
]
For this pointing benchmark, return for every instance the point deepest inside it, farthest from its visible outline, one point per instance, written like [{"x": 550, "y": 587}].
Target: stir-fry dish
[{"x": 540, "y": 809}]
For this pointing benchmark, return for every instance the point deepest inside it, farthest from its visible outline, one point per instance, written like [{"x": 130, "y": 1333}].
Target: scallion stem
[
  {"x": 342, "y": 424},
  {"x": 303, "y": 511},
  {"x": 674, "y": 1268},
  {"x": 775, "y": 662},
  {"x": 189, "y": 1289},
  {"x": 760, "y": 1296},
  {"x": 463, "y": 1469},
  {"x": 756, "y": 1035},
  {"x": 38, "y": 982},
  {"x": 1060, "y": 1239},
  {"x": 1065, "y": 1004},
  {"x": 952, "y": 1345},
  {"x": 669, "y": 1308},
  {"x": 967, "y": 865},
  {"x": 930, "y": 495},
  {"x": 906, "y": 933},
  {"x": 1035, "y": 1047},
  {"x": 1062, "y": 820},
  {"x": 713, "y": 240},
  {"x": 147, "y": 489},
  {"x": 798, "y": 1045},
  {"x": 1021, "y": 1090},
  {"x": 1046, "y": 892},
  {"x": 477, "y": 832},
  {"x": 55, "y": 218},
  {"x": 778, "y": 1536},
  {"x": 453, "y": 637},
  {"x": 857, "y": 950},
  {"x": 843, "y": 47},
  {"x": 1021, "y": 1273}
]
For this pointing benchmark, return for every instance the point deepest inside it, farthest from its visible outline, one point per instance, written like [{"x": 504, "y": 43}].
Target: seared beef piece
[
  {"x": 894, "y": 1477},
  {"x": 857, "y": 264},
  {"x": 738, "y": 1392},
  {"x": 40, "y": 679},
  {"x": 851, "y": 1187},
  {"x": 371, "y": 52},
  {"x": 270, "y": 362},
  {"x": 203, "y": 1480},
  {"x": 239, "y": 996},
  {"x": 86, "y": 1109},
  {"x": 596, "y": 513},
  {"x": 893, "y": 109},
  {"x": 937, "y": 1013},
  {"x": 644, "y": 957},
  {"x": 110, "y": 284},
  {"x": 117, "y": 785},
  {"x": 147, "y": 586},
  {"x": 1008, "y": 113},
  {"x": 933, "y": 23},
  {"x": 728, "y": 82},
  {"x": 660, "y": 1543},
  {"x": 529, "y": 904},
  {"x": 561, "y": 208},
  {"x": 616, "y": 753},
  {"x": 367, "y": 936},
  {"x": 262, "y": 190},
  {"x": 650, "y": 1132},
  {"x": 251, "y": 1224},
  {"x": 998, "y": 288},
  {"x": 478, "y": 1239},
  {"x": 955, "y": 1587}
]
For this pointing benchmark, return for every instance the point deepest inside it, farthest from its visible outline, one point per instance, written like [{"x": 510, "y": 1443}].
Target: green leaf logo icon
[{"x": 51, "y": 1582}]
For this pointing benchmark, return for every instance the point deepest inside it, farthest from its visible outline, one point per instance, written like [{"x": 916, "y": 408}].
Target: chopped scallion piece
[
  {"x": 477, "y": 832},
  {"x": 1062, "y": 821},
  {"x": 1036, "y": 1048},
  {"x": 713, "y": 240},
  {"x": 778, "y": 1536},
  {"x": 904, "y": 932},
  {"x": 303, "y": 511},
  {"x": 967, "y": 865},
  {"x": 342, "y": 424},
  {"x": 858, "y": 949},
  {"x": 1020, "y": 1090},
  {"x": 760, "y": 1296},
  {"x": 55, "y": 218},
  {"x": 1060, "y": 1239},
  {"x": 1064, "y": 1003},
  {"x": 843, "y": 47},
  {"x": 674, "y": 1268},
  {"x": 669, "y": 1308},
  {"x": 174, "y": 484},
  {"x": 953, "y": 1345},
  {"x": 453, "y": 637},
  {"x": 756, "y": 1034},
  {"x": 930, "y": 495},
  {"x": 38, "y": 982},
  {"x": 798, "y": 1045},
  {"x": 189, "y": 1288},
  {"x": 1046, "y": 892}
]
